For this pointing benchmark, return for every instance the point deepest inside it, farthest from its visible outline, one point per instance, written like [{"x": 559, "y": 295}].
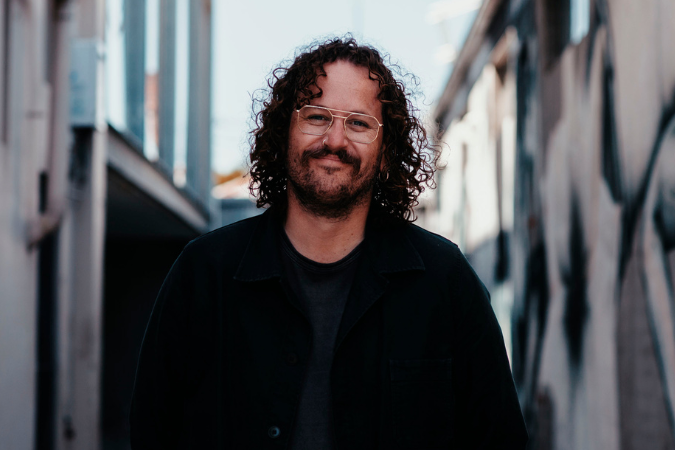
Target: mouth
[{"x": 330, "y": 157}]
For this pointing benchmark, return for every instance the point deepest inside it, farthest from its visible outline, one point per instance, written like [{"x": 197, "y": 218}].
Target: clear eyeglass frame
[{"x": 333, "y": 116}]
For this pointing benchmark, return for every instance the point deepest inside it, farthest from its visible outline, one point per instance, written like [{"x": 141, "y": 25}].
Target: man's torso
[{"x": 402, "y": 373}]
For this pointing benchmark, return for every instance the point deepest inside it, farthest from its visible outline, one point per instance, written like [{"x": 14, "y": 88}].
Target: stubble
[{"x": 322, "y": 191}]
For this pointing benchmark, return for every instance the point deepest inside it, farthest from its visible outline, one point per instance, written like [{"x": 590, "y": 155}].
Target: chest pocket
[{"x": 422, "y": 403}]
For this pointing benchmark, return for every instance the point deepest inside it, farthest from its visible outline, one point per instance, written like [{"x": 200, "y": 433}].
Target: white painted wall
[{"x": 22, "y": 157}]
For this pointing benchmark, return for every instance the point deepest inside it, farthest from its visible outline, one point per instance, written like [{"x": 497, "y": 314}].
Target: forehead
[{"x": 347, "y": 87}]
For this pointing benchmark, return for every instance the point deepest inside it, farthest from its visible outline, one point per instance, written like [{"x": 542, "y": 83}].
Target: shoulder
[
  {"x": 226, "y": 235},
  {"x": 433, "y": 248},
  {"x": 443, "y": 259},
  {"x": 223, "y": 246}
]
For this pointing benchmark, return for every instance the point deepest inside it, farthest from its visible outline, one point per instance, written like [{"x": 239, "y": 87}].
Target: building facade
[
  {"x": 104, "y": 176},
  {"x": 559, "y": 127}
]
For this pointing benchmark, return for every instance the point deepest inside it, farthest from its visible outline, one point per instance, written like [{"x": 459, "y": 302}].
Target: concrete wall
[
  {"x": 56, "y": 212},
  {"x": 591, "y": 252},
  {"x": 38, "y": 217},
  {"x": 27, "y": 111}
]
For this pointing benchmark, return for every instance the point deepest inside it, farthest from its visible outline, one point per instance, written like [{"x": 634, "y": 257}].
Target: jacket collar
[{"x": 388, "y": 250}]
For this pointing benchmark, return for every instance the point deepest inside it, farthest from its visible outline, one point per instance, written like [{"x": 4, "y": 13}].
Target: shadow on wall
[{"x": 134, "y": 272}]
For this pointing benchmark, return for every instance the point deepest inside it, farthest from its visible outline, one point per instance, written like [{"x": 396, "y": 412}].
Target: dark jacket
[{"x": 419, "y": 361}]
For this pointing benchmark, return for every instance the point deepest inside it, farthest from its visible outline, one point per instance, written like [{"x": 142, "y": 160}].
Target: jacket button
[
  {"x": 274, "y": 432},
  {"x": 292, "y": 359}
]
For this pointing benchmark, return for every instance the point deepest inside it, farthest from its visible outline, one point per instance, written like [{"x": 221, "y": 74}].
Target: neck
[{"x": 324, "y": 239}]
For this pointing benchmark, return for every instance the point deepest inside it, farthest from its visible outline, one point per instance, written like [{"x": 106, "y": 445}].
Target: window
[
  {"x": 182, "y": 88},
  {"x": 580, "y": 19},
  {"x": 151, "y": 106},
  {"x": 115, "y": 65}
]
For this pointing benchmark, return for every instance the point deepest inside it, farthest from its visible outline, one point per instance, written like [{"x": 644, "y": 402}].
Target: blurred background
[{"x": 123, "y": 135}]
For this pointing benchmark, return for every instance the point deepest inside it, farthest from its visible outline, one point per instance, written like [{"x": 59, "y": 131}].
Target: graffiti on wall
[{"x": 594, "y": 322}]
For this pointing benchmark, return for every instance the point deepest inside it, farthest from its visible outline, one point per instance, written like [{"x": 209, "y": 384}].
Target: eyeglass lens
[{"x": 360, "y": 128}]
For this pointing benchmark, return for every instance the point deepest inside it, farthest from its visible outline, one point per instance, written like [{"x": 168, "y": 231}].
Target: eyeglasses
[{"x": 317, "y": 120}]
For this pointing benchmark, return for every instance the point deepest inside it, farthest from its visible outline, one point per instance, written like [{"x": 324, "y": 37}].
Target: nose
[{"x": 336, "y": 136}]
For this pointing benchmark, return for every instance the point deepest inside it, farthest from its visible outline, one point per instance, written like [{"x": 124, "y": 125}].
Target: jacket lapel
[{"x": 386, "y": 252}]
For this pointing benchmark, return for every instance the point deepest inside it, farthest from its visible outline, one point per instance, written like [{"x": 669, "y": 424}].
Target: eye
[
  {"x": 318, "y": 118},
  {"x": 315, "y": 117},
  {"x": 359, "y": 124}
]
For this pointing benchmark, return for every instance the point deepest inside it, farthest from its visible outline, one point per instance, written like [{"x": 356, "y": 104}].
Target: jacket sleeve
[
  {"x": 488, "y": 414},
  {"x": 157, "y": 399}
]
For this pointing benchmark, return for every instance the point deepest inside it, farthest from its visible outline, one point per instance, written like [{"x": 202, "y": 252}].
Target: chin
[{"x": 338, "y": 186}]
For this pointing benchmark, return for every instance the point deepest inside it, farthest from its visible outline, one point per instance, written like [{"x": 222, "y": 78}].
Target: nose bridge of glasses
[
  {"x": 344, "y": 118},
  {"x": 341, "y": 117},
  {"x": 332, "y": 120},
  {"x": 342, "y": 130}
]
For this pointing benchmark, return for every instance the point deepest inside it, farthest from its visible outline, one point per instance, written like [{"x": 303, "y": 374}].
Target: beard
[{"x": 330, "y": 192}]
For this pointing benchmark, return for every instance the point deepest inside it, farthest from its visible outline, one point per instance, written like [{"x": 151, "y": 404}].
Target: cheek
[
  {"x": 375, "y": 158},
  {"x": 300, "y": 141},
  {"x": 294, "y": 135}
]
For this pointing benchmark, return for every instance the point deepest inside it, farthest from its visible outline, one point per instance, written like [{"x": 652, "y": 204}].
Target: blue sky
[{"x": 253, "y": 37}]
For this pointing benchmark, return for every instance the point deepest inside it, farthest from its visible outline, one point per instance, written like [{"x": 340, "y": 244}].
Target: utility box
[{"x": 86, "y": 83}]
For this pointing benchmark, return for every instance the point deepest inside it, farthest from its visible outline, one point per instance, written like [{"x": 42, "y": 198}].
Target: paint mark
[{"x": 576, "y": 304}]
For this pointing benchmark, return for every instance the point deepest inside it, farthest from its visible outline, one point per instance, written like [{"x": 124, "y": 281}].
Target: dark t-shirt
[{"x": 321, "y": 290}]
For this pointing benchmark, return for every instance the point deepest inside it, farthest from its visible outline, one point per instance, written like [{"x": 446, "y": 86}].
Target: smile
[{"x": 330, "y": 158}]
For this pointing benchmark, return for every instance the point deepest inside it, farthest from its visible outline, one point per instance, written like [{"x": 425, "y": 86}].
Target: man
[{"x": 328, "y": 322}]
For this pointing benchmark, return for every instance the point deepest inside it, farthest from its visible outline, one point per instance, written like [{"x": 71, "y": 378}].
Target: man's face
[{"x": 330, "y": 174}]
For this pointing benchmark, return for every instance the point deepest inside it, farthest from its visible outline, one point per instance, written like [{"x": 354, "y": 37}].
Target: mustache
[{"x": 343, "y": 155}]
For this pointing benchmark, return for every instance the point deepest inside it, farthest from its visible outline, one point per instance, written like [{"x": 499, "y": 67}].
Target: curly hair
[{"x": 410, "y": 157}]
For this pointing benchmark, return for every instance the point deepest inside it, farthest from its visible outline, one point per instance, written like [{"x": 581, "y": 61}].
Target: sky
[{"x": 253, "y": 37}]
